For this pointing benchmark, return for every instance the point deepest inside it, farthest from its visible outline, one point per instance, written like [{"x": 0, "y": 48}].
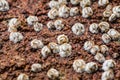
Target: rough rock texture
[{"x": 18, "y": 58}]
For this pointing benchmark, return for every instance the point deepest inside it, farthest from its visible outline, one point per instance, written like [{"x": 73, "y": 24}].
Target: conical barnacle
[
  {"x": 88, "y": 45},
  {"x": 4, "y": 6},
  {"x": 79, "y": 65},
  {"x": 107, "y": 13},
  {"x": 99, "y": 57},
  {"x": 108, "y": 64},
  {"x": 87, "y": 12},
  {"x": 94, "y": 49},
  {"x": 36, "y": 67},
  {"x": 85, "y": 3},
  {"x": 45, "y": 51},
  {"x": 74, "y": 11},
  {"x": 38, "y": 26},
  {"x": 53, "y": 13},
  {"x": 23, "y": 76},
  {"x": 35, "y": 43},
  {"x": 75, "y": 2},
  {"x": 78, "y": 29},
  {"x": 65, "y": 50},
  {"x": 59, "y": 25},
  {"x": 106, "y": 38},
  {"x": 113, "y": 17},
  {"x": 91, "y": 67},
  {"x": 116, "y": 10},
  {"x": 93, "y": 28},
  {"x": 53, "y": 4},
  {"x": 53, "y": 73},
  {"x": 103, "y": 2},
  {"x": 104, "y": 49},
  {"x": 50, "y": 25},
  {"x": 31, "y": 20},
  {"x": 62, "y": 39},
  {"x": 54, "y": 47}
]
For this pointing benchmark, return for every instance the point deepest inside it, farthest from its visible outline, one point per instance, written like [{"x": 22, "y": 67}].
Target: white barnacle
[
  {"x": 62, "y": 2},
  {"x": 103, "y": 2},
  {"x": 65, "y": 50},
  {"x": 108, "y": 64},
  {"x": 75, "y": 2},
  {"x": 104, "y": 26},
  {"x": 23, "y": 76},
  {"x": 64, "y": 11},
  {"x": 88, "y": 45},
  {"x": 107, "y": 75},
  {"x": 15, "y": 37},
  {"x": 74, "y": 11},
  {"x": 4, "y": 5},
  {"x": 36, "y": 67},
  {"x": 31, "y": 20},
  {"x": 94, "y": 49},
  {"x": 62, "y": 39},
  {"x": 53, "y": 4},
  {"x": 93, "y": 28},
  {"x": 99, "y": 57},
  {"x": 113, "y": 17},
  {"x": 53, "y": 13},
  {"x": 45, "y": 51},
  {"x": 53, "y": 73},
  {"x": 78, "y": 29},
  {"x": 116, "y": 10},
  {"x": 107, "y": 13},
  {"x": 91, "y": 67},
  {"x": 106, "y": 38},
  {"x": 59, "y": 25},
  {"x": 35, "y": 43},
  {"x": 79, "y": 65},
  {"x": 38, "y": 26},
  {"x": 85, "y": 3},
  {"x": 87, "y": 12},
  {"x": 104, "y": 49},
  {"x": 50, "y": 25},
  {"x": 114, "y": 34},
  {"x": 54, "y": 47}
]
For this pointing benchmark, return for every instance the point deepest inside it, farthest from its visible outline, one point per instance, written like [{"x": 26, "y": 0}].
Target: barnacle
[
  {"x": 54, "y": 47},
  {"x": 93, "y": 28},
  {"x": 113, "y": 17},
  {"x": 85, "y": 3},
  {"x": 45, "y": 51},
  {"x": 78, "y": 29},
  {"x": 35, "y": 43},
  {"x": 104, "y": 26},
  {"x": 91, "y": 67},
  {"x": 103, "y": 2},
  {"x": 99, "y": 57},
  {"x": 94, "y": 49},
  {"x": 15, "y": 37},
  {"x": 31, "y": 20},
  {"x": 53, "y": 73},
  {"x": 62, "y": 39},
  {"x": 108, "y": 64},
  {"x": 104, "y": 49},
  {"x": 87, "y": 12},
  {"x": 75, "y": 2},
  {"x": 65, "y": 50},
  {"x": 23, "y": 76},
  {"x": 59, "y": 25},
  {"x": 88, "y": 45},
  {"x": 53, "y": 4},
  {"x": 53, "y": 13},
  {"x": 106, "y": 38},
  {"x": 50, "y": 25},
  {"x": 74, "y": 11},
  {"x": 4, "y": 6},
  {"x": 38, "y": 26},
  {"x": 36, "y": 67},
  {"x": 79, "y": 65}
]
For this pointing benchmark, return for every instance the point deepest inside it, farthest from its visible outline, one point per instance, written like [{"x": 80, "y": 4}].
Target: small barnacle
[
  {"x": 99, "y": 57},
  {"x": 53, "y": 73},
  {"x": 104, "y": 26},
  {"x": 108, "y": 64},
  {"x": 53, "y": 13},
  {"x": 36, "y": 67},
  {"x": 104, "y": 49},
  {"x": 23, "y": 76},
  {"x": 94, "y": 49},
  {"x": 59, "y": 24},
  {"x": 64, "y": 11},
  {"x": 79, "y": 65},
  {"x": 114, "y": 34},
  {"x": 78, "y": 29},
  {"x": 75, "y": 2},
  {"x": 93, "y": 28},
  {"x": 85, "y": 3},
  {"x": 106, "y": 38},
  {"x": 87, "y": 12},
  {"x": 74, "y": 11},
  {"x": 35, "y": 43},
  {"x": 38, "y": 26},
  {"x": 45, "y": 51},
  {"x": 109, "y": 7},
  {"x": 107, "y": 13},
  {"x": 50, "y": 25},
  {"x": 4, "y": 6},
  {"x": 62, "y": 2},
  {"x": 107, "y": 75},
  {"x": 54, "y": 47},
  {"x": 91, "y": 67},
  {"x": 31, "y": 20},
  {"x": 103, "y": 2},
  {"x": 116, "y": 10},
  {"x": 53, "y": 4},
  {"x": 88, "y": 45},
  {"x": 62, "y": 39},
  {"x": 15, "y": 37},
  {"x": 65, "y": 50},
  {"x": 113, "y": 17}
]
